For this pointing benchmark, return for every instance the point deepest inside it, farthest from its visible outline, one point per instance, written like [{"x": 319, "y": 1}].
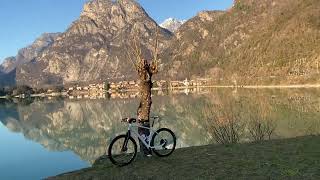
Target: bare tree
[
  {"x": 261, "y": 123},
  {"x": 224, "y": 123},
  {"x": 145, "y": 69},
  {"x": 261, "y": 129}
]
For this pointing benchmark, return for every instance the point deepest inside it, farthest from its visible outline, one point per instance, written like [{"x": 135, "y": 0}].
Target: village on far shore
[{"x": 113, "y": 90}]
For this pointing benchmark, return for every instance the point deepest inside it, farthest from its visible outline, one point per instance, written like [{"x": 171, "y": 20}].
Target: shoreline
[{"x": 298, "y": 86}]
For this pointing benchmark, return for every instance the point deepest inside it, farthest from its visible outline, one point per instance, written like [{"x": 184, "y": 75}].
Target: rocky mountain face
[
  {"x": 172, "y": 24},
  {"x": 265, "y": 42},
  {"x": 94, "y": 48},
  {"x": 255, "y": 42},
  {"x": 28, "y": 53},
  {"x": 25, "y": 55},
  {"x": 8, "y": 64}
]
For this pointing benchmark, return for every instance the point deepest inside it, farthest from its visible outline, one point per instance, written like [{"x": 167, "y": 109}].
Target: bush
[
  {"x": 225, "y": 123},
  {"x": 40, "y": 90},
  {"x": 107, "y": 86},
  {"x": 23, "y": 89},
  {"x": 58, "y": 89},
  {"x": 241, "y": 6},
  {"x": 2, "y": 92}
]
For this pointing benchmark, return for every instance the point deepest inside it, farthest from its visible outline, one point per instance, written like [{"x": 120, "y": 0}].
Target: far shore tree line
[{"x": 27, "y": 90}]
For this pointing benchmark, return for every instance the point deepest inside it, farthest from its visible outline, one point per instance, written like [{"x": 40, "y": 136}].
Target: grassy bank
[{"x": 297, "y": 158}]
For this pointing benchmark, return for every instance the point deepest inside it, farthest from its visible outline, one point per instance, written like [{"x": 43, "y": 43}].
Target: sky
[{"x": 22, "y": 21}]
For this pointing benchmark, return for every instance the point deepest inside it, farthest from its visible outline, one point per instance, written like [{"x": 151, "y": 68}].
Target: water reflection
[{"x": 214, "y": 116}]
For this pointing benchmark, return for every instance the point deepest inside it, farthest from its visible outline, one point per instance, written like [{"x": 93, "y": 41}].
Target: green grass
[{"x": 297, "y": 158}]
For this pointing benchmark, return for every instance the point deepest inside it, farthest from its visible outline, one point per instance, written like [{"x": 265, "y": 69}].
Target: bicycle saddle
[{"x": 129, "y": 120}]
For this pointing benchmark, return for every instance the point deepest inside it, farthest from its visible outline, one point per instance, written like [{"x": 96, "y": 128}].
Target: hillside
[{"x": 255, "y": 42}]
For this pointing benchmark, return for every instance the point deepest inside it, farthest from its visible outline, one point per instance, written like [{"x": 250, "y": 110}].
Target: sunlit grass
[{"x": 276, "y": 159}]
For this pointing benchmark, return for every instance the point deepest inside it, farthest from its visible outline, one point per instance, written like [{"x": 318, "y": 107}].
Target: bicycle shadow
[{"x": 105, "y": 161}]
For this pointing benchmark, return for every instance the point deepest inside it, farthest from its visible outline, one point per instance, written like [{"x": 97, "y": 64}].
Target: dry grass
[{"x": 276, "y": 159}]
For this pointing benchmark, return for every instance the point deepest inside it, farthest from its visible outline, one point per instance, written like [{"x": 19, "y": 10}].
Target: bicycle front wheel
[
  {"x": 122, "y": 150},
  {"x": 163, "y": 142}
]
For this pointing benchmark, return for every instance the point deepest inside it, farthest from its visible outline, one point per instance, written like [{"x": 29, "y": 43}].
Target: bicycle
[{"x": 123, "y": 149}]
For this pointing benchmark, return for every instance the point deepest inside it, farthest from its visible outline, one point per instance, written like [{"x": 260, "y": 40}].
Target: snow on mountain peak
[{"x": 172, "y": 24}]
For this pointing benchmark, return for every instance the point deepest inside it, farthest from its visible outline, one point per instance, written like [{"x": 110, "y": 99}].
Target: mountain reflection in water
[{"x": 87, "y": 126}]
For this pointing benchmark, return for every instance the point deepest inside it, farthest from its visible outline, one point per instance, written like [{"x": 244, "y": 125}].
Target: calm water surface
[{"x": 41, "y": 138}]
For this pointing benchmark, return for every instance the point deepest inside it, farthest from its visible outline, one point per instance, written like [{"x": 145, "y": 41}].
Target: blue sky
[{"x": 22, "y": 21}]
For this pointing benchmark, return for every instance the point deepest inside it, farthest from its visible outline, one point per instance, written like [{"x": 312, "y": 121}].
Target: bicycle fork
[{"x": 125, "y": 144}]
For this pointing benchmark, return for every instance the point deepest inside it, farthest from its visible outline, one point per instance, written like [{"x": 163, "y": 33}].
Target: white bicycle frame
[{"x": 141, "y": 138}]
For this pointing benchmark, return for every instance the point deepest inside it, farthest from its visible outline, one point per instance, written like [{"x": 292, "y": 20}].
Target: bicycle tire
[
  {"x": 112, "y": 156},
  {"x": 159, "y": 152}
]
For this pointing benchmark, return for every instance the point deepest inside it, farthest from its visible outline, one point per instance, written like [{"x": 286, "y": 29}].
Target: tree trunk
[
  {"x": 145, "y": 101},
  {"x": 145, "y": 86},
  {"x": 145, "y": 105}
]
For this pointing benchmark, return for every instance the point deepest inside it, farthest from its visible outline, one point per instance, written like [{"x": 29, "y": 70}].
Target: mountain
[
  {"x": 269, "y": 42},
  {"x": 254, "y": 42},
  {"x": 28, "y": 53},
  {"x": 8, "y": 64},
  {"x": 172, "y": 24},
  {"x": 94, "y": 47},
  {"x": 25, "y": 55}
]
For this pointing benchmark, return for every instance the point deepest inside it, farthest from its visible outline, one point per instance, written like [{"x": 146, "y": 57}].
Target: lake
[{"x": 45, "y": 137}]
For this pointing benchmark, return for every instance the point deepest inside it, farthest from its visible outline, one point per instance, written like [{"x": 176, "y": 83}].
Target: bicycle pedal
[{"x": 149, "y": 155}]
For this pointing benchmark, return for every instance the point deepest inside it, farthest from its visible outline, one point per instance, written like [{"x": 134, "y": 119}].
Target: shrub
[
  {"x": 2, "y": 92},
  {"x": 23, "y": 89}
]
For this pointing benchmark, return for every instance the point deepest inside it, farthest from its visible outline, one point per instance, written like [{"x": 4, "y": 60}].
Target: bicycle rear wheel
[
  {"x": 163, "y": 142},
  {"x": 120, "y": 155}
]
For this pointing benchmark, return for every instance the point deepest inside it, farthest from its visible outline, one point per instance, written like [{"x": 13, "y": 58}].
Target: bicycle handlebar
[
  {"x": 130, "y": 120},
  {"x": 124, "y": 119}
]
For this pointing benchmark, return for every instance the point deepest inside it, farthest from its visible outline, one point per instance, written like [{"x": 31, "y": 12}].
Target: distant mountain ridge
[
  {"x": 28, "y": 53},
  {"x": 172, "y": 24},
  {"x": 25, "y": 55}
]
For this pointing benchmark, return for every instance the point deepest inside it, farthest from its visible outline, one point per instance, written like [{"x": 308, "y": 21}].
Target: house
[
  {"x": 161, "y": 83},
  {"x": 101, "y": 86},
  {"x": 125, "y": 83},
  {"x": 186, "y": 82},
  {"x": 112, "y": 85},
  {"x": 175, "y": 83},
  {"x": 92, "y": 85},
  {"x": 202, "y": 82},
  {"x": 191, "y": 83},
  {"x": 132, "y": 83},
  {"x": 125, "y": 96}
]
